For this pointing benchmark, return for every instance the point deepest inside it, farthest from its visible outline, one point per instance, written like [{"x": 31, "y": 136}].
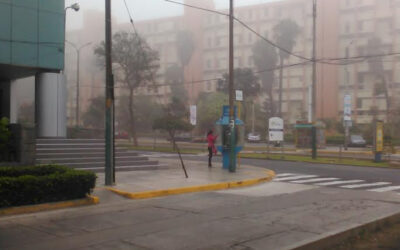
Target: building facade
[{"x": 354, "y": 30}]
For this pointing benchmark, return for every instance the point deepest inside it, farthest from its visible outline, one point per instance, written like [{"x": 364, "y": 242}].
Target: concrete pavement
[
  {"x": 273, "y": 215},
  {"x": 148, "y": 184}
]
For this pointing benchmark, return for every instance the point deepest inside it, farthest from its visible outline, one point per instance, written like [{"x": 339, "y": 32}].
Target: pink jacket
[{"x": 211, "y": 140}]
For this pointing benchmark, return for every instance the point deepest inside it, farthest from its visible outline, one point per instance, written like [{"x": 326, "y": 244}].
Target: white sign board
[
  {"x": 239, "y": 95},
  {"x": 347, "y": 108},
  {"x": 275, "y": 129},
  {"x": 193, "y": 115}
]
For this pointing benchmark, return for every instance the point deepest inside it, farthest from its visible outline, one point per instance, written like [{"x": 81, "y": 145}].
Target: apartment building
[{"x": 344, "y": 30}]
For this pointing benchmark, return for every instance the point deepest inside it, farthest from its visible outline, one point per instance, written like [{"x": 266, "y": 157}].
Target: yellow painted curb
[
  {"x": 89, "y": 200},
  {"x": 192, "y": 189}
]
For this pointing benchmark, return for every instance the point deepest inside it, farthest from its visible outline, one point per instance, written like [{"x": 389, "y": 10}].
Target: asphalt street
[{"x": 368, "y": 174}]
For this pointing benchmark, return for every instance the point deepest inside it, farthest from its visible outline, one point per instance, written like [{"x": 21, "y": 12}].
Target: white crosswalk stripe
[
  {"x": 315, "y": 180},
  {"x": 285, "y": 174},
  {"x": 385, "y": 189},
  {"x": 294, "y": 177},
  {"x": 338, "y": 182},
  {"x": 367, "y": 185}
]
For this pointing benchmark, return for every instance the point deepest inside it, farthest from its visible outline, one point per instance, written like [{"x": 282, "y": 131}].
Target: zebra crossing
[{"x": 307, "y": 179}]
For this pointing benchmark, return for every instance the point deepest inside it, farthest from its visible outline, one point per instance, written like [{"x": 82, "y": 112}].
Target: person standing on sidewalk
[{"x": 211, "y": 146}]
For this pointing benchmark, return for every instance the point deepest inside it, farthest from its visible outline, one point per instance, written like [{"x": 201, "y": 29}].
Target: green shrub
[{"x": 39, "y": 184}]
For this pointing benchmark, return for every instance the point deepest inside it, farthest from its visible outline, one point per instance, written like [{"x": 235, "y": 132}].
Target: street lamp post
[
  {"x": 75, "y": 7},
  {"x": 78, "y": 51}
]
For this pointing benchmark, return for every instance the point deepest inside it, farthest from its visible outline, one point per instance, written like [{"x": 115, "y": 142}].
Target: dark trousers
[{"x": 210, "y": 154}]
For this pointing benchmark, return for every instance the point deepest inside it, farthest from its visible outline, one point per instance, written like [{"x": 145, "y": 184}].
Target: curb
[
  {"x": 192, "y": 189},
  {"x": 334, "y": 239},
  {"x": 89, "y": 200}
]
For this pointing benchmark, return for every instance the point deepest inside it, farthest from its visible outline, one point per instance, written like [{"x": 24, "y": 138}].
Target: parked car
[
  {"x": 254, "y": 137},
  {"x": 357, "y": 141}
]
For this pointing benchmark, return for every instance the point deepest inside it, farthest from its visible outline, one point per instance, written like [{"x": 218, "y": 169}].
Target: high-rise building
[{"x": 357, "y": 31}]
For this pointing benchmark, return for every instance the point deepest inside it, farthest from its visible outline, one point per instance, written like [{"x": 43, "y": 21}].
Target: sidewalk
[
  {"x": 272, "y": 215},
  {"x": 155, "y": 183}
]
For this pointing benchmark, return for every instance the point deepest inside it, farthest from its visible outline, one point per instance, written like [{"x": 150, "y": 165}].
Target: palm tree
[
  {"x": 265, "y": 59},
  {"x": 185, "y": 49},
  {"x": 285, "y": 33}
]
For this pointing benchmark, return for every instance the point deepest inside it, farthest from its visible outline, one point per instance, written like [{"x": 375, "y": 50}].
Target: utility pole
[
  {"x": 252, "y": 120},
  {"x": 314, "y": 82},
  {"x": 232, "y": 162},
  {"x": 109, "y": 131}
]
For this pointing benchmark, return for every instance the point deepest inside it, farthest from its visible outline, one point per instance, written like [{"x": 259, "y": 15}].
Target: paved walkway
[{"x": 199, "y": 177}]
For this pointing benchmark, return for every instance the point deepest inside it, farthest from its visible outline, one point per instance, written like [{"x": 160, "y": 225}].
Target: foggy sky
[{"x": 141, "y": 9}]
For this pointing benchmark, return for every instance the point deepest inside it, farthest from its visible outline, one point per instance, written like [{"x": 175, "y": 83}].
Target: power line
[
  {"x": 246, "y": 26},
  {"x": 322, "y": 60},
  {"x": 199, "y": 8}
]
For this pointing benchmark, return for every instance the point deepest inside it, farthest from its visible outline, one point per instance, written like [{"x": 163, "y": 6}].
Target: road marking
[
  {"x": 285, "y": 174},
  {"x": 337, "y": 182},
  {"x": 384, "y": 189},
  {"x": 295, "y": 177},
  {"x": 366, "y": 185},
  {"x": 315, "y": 180}
]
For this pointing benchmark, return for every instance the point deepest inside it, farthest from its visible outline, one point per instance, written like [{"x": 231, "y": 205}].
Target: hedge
[{"x": 40, "y": 184}]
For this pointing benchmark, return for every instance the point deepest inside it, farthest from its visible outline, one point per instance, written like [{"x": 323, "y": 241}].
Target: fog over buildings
[{"x": 345, "y": 28}]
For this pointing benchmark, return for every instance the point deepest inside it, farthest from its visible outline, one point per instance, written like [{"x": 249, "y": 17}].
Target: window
[
  {"x": 359, "y": 103},
  {"x": 208, "y": 86},
  {"x": 217, "y": 41},
  {"x": 250, "y": 60},
  {"x": 209, "y": 41},
  {"x": 240, "y": 62},
  {"x": 360, "y": 25},
  {"x": 361, "y": 78},
  {"x": 360, "y": 51},
  {"x": 347, "y": 27},
  {"x": 208, "y": 63},
  {"x": 217, "y": 63}
]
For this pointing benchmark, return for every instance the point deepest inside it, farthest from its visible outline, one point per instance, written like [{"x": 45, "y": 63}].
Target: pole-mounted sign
[
  {"x": 378, "y": 140},
  {"x": 275, "y": 129},
  {"x": 193, "y": 115}
]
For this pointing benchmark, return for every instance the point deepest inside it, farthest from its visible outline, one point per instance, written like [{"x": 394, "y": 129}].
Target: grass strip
[{"x": 320, "y": 160}]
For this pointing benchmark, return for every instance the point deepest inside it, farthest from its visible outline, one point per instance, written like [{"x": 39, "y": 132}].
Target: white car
[{"x": 254, "y": 137}]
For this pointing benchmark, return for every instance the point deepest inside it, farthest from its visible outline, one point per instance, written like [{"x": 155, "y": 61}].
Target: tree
[
  {"x": 285, "y": 33},
  {"x": 265, "y": 59},
  {"x": 246, "y": 81},
  {"x": 185, "y": 46},
  {"x": 185, "y": 49},
  {"x": 174, "y": 78},
  {"x": 146, "y": 111},
  {"x": 374, "y": 46},
  {"x": 209, "y": 107},
  {"x": 135, "y": 64},
  {"x": 94, "y": 116}
]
